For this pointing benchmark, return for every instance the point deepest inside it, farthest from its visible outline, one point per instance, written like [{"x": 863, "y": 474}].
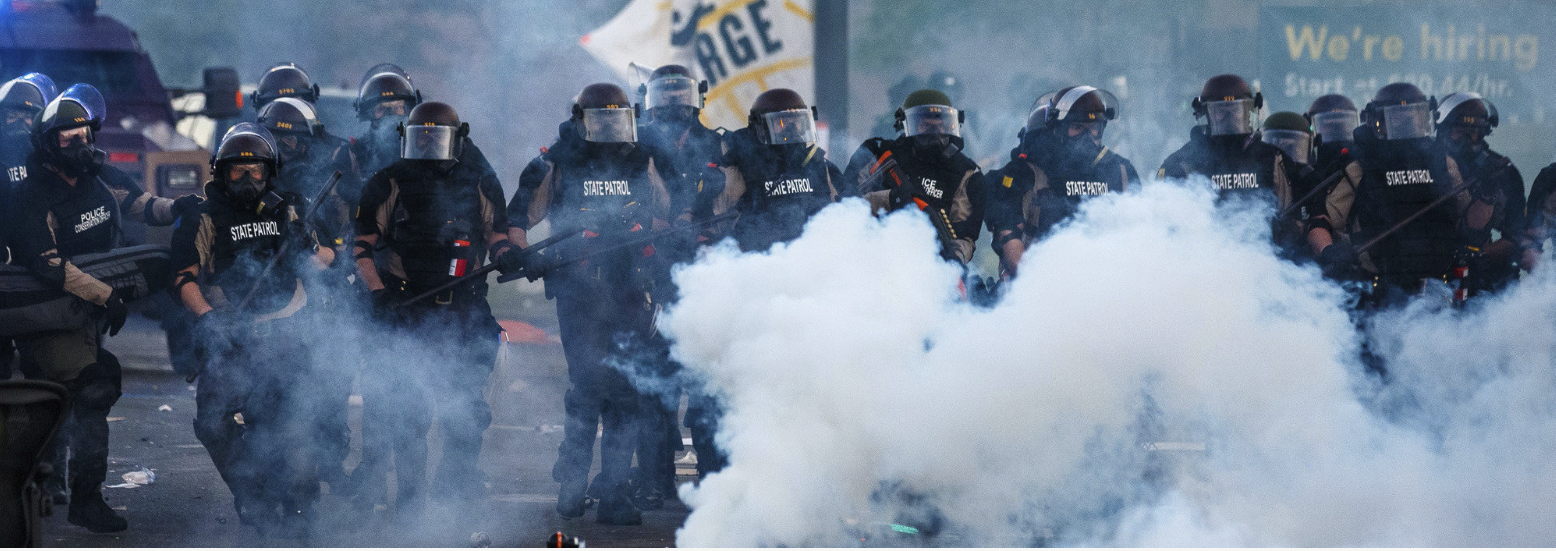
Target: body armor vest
[
  {"x": 784, "y": 186},
  {"x": 87, "y": 216},
  {"x": 1399, "y": 180},
  {"x": 243, "y": 243},
  {"x": 937, "y": 177},
  {"x": 436, "y": 228}
]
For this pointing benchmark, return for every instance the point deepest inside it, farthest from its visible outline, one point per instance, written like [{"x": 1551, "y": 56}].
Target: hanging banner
[
  {"x": 1489, "y": 48},
  {"x": 741, "y": 47}
]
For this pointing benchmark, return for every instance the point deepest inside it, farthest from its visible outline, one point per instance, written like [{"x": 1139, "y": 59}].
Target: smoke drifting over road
[{"x": 859, "y": 391}]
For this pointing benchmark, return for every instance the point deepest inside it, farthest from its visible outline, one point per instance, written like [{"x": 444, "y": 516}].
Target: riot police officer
[
  {"x": 1060, "y": 163},
  {"x": 21, "y": 99},
  {"x": 1540, "y": 216},
  {"x": 248, "y": 302},
  {"x": 613, "y": 187},
  {"x": 1397, "y": 174},
  {"x": 1463, "y": 122},
  {"x": 309, "y": 155},
  {"x": 63, "y": 209},
  {"x": 1224, "y": 149},
  {"x": 383, "y": 100},
  {"x": 924, "y": 168},
  {"x": 673, "y": 101},
  {"x": 1292, "y": 134},
  {"x": 774, "y": 174},
  {"x": 431, "y": 217},
  {"x": 1333, "y": 119},
  {"x": 284, "y": 80}
]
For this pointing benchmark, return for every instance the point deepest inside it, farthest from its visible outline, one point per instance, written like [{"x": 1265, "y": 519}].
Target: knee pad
[{"x": 97, "y": 395}]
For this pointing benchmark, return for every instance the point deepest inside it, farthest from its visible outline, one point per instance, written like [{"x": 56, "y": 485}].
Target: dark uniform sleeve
[
  {"x": 492, "y": 190},
  {"x": 858, "y": 167},
  {"x": 1173, "y": 166},
  {"x": 529, "y": 182},
  {"x": 1540, "y": 209},
  {"x": 374, "y": 193},
  {"x": 184, "y": 253}
]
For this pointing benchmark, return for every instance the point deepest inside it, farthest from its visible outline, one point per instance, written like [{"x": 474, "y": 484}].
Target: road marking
[{"x": 525, "y": 498}]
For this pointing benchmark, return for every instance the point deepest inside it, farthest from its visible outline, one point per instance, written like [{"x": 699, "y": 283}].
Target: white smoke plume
[{"x": 1156, "y": 376}]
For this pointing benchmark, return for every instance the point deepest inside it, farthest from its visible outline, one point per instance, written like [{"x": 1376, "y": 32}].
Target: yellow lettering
[
  {"x": 1367, "y": 44},
  {"x": 1393, "y": 48},
  {"x": 1295, "y": 43},
  {"x": 1527, "y": 51},
  {"x": 1339, "y": 47}
]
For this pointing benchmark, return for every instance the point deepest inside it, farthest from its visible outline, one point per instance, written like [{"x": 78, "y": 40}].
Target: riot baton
[
  {"x": 1324, "y": 185},
  {"x": 1434, "y": 204},
  {"x": 480, "y": 273},
  {"x": 628, "y": 244},
  {"x": 286, "y": 246}
]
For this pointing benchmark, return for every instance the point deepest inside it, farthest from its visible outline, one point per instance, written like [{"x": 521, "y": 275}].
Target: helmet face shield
[
  {"x": 1405, "y": 122},
  {"x": 931, "y": 119},
  {"x": 1230, "y": 117},
  {"x": 429, "y": 142},
  {"x": 90, "y": 99},
  {"x": 1336, "y": 126},
  {"x": 672, "y": 91},
  {"x": 1295, "y": 143},
  {"x": 793, "y": 126},
  {"x": 610, "y": 125}
]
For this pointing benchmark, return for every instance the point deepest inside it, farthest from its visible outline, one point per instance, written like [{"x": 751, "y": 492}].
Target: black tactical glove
[
  {"x": 510, "y": 261},
  {"x": 115, "y": 313},
  {"x": 383, "y": 304},
  {"x": 186, "y": 205},
  {"x": 536, "y": 265},
  {"x": 1337, "y": 259}
]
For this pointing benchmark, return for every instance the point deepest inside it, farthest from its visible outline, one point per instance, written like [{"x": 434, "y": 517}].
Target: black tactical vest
[
  {"x": 1398, "y": 180},
  {"x": 86, "y": 216},
  {"x": 243, "y": 242},
  {"x": 1072, "y": 181},
  {"x": 436, "y": 227},
  {"x": 784, "y": 186},
  {"x": 13, "y": 158},
  {"x": 938, "y": 177}
]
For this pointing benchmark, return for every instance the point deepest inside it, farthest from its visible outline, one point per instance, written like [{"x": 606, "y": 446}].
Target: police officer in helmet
[
  {"x": 383, "y": 100},
  {"x": 1224, "y": 149},
  {"x": 673, "y": 101},
  {"x": 1059, "y": 164},
  {"x": 284, "y": 80},
  {"x": 21, "y": 99},
  {"x": 432, "y": 216},
  {"x": 250, "y": 326},
  {"x": 778, "y": 146},
  {"x": 924, "y": 168},
  {"x": 615, "y": 189},
  {"x": 1397, "y": 173},
  {"x": 1463, "y": 121},
  {"x": 63, "y": 209},
  {"x": 1333, "y": 119}
]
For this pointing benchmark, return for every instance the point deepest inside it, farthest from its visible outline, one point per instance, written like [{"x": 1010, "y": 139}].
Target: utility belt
[{"x": 458, "y": 295}]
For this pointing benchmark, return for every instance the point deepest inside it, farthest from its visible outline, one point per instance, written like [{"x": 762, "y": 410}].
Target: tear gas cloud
[{"x": 859, "y": 390}]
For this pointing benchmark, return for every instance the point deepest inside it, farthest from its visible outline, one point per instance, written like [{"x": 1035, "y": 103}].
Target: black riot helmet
[
  {"x": 433, "y": 132},
  {"x": 1400, "y": 111},
  {"x": 21, "y": 99},
  {"x": 388, "y": 85},
  {"x": 1334, "y": 118},
  {"x": 246, "y": 143},
  {"x": 75, "y": 117},
  {"x": 1466, "y": 109},
  {"x": 781, "y": 117},
  {"x": 285, "y": 80},
  {"x": 1229, "y": 105},
  {"x": 291, "y": 116},
  {"x": 926, "y": 112},
  {"x": 29, "y": 92},
  {"x": 605, "y": 114},
  {"x": 673, "y": 87}
]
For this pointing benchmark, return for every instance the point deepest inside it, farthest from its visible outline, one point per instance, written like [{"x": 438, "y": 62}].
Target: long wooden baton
[{"x": 651, "y": 237}]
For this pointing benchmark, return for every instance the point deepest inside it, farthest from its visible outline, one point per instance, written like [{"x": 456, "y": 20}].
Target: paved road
[{"x": 189, "y": 506}]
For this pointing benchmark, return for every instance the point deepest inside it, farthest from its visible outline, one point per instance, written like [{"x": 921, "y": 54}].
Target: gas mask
[
  {"x": 78, "y": 158},
  {"x": 246, "y": 189},
  {"x": 17, "y": 124},
  {"x": 1466, "y": 142},
  {"x": 385, "y": 131},
  {"x": 931, "y": 145}
]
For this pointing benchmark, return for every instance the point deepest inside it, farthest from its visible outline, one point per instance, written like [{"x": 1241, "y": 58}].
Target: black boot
[
  {"x": 571, "y": 502},
  {"x": 88, "y": 510},
  {"x": 617, "y": 509}
]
